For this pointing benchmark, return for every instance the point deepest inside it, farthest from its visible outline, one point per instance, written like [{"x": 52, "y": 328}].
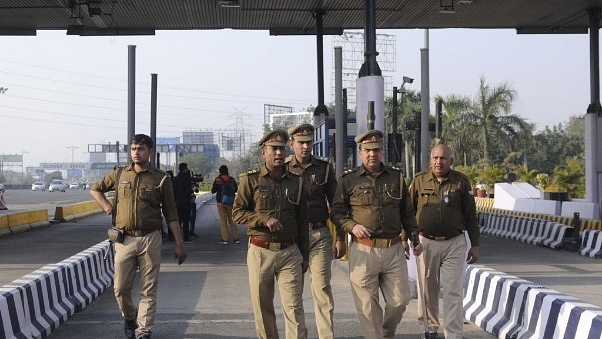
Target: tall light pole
[
  {"x": 23, "y": 164},
  {"x": 73, "y": 148}
]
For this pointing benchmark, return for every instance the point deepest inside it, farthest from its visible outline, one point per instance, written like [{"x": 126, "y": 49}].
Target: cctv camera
[{"x": 408, "y": 80}]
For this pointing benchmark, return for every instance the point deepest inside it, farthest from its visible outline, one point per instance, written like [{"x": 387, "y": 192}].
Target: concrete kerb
[
  {"x": 509, "y": 307},
  {"x": 37, "y": 303}
]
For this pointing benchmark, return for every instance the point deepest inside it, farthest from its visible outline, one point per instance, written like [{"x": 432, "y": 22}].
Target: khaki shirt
[
  {"x": 320, "y": 184},
  {"x": 447, "y": 208},
  {"x": 142, "y": 198},
  {"x": 260, "y": 197},
  {"x": 380, "y": 203}
]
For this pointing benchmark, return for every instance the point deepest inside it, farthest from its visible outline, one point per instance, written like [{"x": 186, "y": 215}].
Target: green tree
[
  {"x": 570, "y": 177},
  {"x": 198, "y": 164},
  {"x": 485, "y": 120}
]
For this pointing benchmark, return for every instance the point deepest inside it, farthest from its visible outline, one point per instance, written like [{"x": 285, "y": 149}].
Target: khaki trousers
[
  {"x": 370, "y": 270},
  {"x": 143, "y": 253},
  {"x": 442, "y": 263},
  {"x": 265, "y": 269},
  {"x": 320, "y": 269},
  {"x": 225, "y": 217}
]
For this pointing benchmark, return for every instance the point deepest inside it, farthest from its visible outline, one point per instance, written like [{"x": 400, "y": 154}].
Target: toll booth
[{"x": 325, "y": 144}]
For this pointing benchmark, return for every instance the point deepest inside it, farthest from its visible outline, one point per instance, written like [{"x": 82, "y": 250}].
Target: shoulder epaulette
[
  {"x": 462, "y": 175},
  {"x": 395, "y": 168},
  {"x": 161, "y": 171},
  {"x": 421, "y": 173},
  {"x": 322, "y": 159},
  {"x": 288, "y": 159},
  {"x": 347, "y": 171},
  {"x": 249, "y": 172}
]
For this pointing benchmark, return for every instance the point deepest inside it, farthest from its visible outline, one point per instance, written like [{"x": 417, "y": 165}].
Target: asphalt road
[{"x": 26, "y": 199}]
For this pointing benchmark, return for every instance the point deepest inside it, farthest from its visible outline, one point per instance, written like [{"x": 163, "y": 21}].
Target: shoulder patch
[{"x": 253, "y": 171}]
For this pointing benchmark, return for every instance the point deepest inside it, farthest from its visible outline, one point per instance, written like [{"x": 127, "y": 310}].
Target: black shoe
[
  {"x": 144, "y": 336},
  {"x": 129, "y": 327},
  {"x": 236, "y": 241},
  {"x": 431, "y": 335},
  {"x": 188, "y": 241}
]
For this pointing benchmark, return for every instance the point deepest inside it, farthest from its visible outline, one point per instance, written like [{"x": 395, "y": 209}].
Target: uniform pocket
[{"x": 362, "y": 196}]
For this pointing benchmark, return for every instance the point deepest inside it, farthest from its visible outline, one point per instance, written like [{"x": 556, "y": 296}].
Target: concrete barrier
[
  {"x": 591, "y": 243},
  {"x": 509, "y": 307},
  {"x": 78, "y": 210},
  {"x": 18, "y": 222},
  {"x": 36, "y": 304}
]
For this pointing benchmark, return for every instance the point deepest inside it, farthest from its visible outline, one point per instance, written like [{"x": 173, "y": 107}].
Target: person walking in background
[
  {"x": 182, "y": 193},
  {"x": 193, "y": 210},
  {"x": 270, "y": 202},
  {"x": 144, "y": 194},
  {"x": 225, "y": 186},
  {"x": 2, "y": 202},
  {"x": 320, "y": 184},
  {"x": 445, "y": 209},
  {"x": 372, "y": 203}
]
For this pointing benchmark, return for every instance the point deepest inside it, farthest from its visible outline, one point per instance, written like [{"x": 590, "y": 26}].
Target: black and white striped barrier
[
  {"x": 512, "y": 308},
  {"x": 530, "y": 230},
  {"x": 36, "y": 304},
  {"x": 591, "y": 243}
]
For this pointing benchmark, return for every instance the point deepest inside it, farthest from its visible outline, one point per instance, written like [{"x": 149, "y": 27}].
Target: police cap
[
  {"x": 303, "y": 132},
  {"x": 370, "y": 139},
  {"x": 274, "y": 138}
]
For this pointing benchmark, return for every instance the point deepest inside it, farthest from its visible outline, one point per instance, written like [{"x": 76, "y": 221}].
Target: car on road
[
  {"x": 38, "y": 186},
  {"x": 57, "y": 185},
  {"x": 2, "y": 188},
  {"x": 74, "y": 185}
]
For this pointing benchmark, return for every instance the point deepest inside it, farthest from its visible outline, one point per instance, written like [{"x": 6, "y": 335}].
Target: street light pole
[
  {"x": 73, "y": 148},
  {"x": 23, "y": 164}
]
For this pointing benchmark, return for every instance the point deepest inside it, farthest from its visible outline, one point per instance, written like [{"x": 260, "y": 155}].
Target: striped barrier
[
  {"x": 530, "y": 230},
  {"x": 36, "y": 304},
  {"x": 494, "y": 301},
  {"x": 591, "y": 243},
  {"x": 512, "y": 308}
]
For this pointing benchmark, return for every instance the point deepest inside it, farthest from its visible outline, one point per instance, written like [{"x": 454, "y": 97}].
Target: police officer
[
  {"x": 270, "y": 202},
  {"x": 445, "y": 209},
  {"x": 372, "y": 203},
  {"x": 320, "y": 184}
]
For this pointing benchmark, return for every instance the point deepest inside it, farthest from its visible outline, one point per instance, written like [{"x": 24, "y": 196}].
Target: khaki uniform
[
  {"x": 143, "y": 199},
  {"x": 320, "y": 184},
  {"x": 272, "y": 255},
  {"x": 382, "y": 204},
  {"x": 444, "y": 211}
]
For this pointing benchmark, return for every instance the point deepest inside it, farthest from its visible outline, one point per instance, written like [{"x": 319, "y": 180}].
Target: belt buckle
[
  {"x": 381, "y": 243},
  {"x": 137, "y": 233},
  {"x": 439, "y": 238},
  {"x": 274, "y": 246}
]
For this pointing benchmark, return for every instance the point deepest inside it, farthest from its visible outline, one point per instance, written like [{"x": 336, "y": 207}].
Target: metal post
[
  {"x": 395, "y": 152},
  {"x": 371, "y": 115},
  {"x": 131, "y": 92},
  {"x": 153, "y": 117},
  {"x": 340, "y": 118}
]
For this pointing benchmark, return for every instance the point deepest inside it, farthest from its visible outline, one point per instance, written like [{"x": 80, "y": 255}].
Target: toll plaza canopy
[{"x": 133, "y": 17}]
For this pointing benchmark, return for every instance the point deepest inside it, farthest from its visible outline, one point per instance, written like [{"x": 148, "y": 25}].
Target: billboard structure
[{"x": 352, "y": 46}]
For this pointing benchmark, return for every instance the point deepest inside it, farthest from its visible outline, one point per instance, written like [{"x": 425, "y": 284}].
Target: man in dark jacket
[{"x": 182, "y": 194}]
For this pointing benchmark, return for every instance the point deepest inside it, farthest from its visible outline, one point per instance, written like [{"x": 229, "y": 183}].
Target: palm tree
[{"x": 486, "y": 118}]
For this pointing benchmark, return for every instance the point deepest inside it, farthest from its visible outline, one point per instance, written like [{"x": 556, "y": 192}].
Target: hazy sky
[{"x": 66, "y": 91}]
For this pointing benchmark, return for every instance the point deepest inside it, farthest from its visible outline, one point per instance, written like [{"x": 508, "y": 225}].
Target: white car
[
  {"x": 73, "y": 185},
  {"x": 57, "y": 185},
  {"x": 38, "y": 186}
]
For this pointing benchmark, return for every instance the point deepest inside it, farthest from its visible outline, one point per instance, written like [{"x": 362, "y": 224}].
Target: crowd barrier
[
  {"x": 512, "y": 308},
  {"x": 530, "y": 230},
  {"x": 37, "y": 303},
  {"x": 591, "y": 244}
]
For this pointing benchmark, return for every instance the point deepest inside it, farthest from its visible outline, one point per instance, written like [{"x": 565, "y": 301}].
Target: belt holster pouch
[{"x": 116, "y": 235}]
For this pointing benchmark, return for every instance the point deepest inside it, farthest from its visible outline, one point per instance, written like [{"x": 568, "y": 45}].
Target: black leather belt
[
  {"x": 139, "y": 233},
  {"x": 272, "y": 246},
  {"x": 316, "y": 225},
  {"x": 432, "y": 237}
]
